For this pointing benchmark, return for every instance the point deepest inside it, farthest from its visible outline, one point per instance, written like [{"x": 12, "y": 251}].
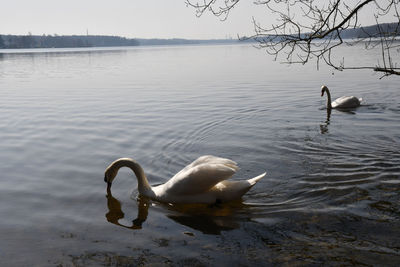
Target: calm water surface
[{"x": 331, "y": 195}]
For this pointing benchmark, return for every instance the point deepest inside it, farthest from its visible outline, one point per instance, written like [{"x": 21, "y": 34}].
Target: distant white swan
[
  {"x": 202, "y": 181},
  {"x": 341, "y": 102}
]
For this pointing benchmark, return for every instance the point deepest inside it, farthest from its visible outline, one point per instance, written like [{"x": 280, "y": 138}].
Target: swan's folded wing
[
  {"x": 346, "y": 102},
  {"x": 199, "y": 178},
  {"x": 208, "y": 159}
]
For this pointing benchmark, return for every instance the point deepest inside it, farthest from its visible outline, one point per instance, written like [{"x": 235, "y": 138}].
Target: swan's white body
[
  {"x": 346, "y": 102},
  {"x": 202, "y": 181},
  {"x": 341, "y": 102}
]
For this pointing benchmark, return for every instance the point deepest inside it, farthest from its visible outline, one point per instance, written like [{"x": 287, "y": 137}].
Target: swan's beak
[{"x": 322, "y": 93}]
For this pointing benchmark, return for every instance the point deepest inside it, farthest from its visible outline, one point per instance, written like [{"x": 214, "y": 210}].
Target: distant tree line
[
  {"x": 49, "y": 41},
  {"x": 179, "y": 41},
  {"x": 60, "y": 41},
  {"x": 381, "y": 30}
]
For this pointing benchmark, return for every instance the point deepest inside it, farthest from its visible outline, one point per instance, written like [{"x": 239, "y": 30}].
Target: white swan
[
  {"x": 341, "y": 102},
  {"x": 202, "y": 181}
]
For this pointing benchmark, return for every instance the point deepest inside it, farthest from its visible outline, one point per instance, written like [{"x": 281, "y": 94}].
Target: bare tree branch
[
  {"x": 313, "y": 29},
  {"x": 221, "y": 11}
]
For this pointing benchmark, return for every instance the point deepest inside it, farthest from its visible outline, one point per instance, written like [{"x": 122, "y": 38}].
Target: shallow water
[{"x": 330, "y": 196}]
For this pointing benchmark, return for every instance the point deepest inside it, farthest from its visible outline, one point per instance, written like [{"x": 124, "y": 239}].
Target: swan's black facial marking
[{"x": 105, "y": 178}]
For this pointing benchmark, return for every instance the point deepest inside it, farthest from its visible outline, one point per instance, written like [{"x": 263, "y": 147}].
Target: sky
[{"x": 128, "y": 18}]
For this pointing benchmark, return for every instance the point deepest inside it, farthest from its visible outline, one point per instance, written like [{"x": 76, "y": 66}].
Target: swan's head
[
  {"x": 110, "y": 174},
  {"x": 323, "y": 89}
]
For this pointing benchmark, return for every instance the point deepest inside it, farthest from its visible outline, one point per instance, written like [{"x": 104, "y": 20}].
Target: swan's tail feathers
[
  {"x": 254, "y": 180},
  {"x": 360, "y": 99}
]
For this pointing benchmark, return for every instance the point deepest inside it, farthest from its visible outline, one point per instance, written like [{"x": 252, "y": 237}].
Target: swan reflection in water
[
  {"x": 208, "y": 219},
  {"x": 324, "y": 127},
  {"x": 115, "y": 212}
]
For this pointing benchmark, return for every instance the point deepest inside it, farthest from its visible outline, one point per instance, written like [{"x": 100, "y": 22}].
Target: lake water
[{"x": 331, "y": 195}]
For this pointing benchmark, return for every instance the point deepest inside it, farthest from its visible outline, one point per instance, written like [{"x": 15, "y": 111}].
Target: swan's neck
[
  {"x": 329, "y": 101},
  {"x": 144, "y": 187}
]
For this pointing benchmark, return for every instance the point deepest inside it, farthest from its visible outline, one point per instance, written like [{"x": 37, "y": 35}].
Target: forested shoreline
[
  {"x": 50, "y": 41},
  {"x": 66, "y": 41}
]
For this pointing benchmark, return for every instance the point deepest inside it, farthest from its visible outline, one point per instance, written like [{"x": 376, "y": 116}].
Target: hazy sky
[{"x": 129, "y": 18}]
